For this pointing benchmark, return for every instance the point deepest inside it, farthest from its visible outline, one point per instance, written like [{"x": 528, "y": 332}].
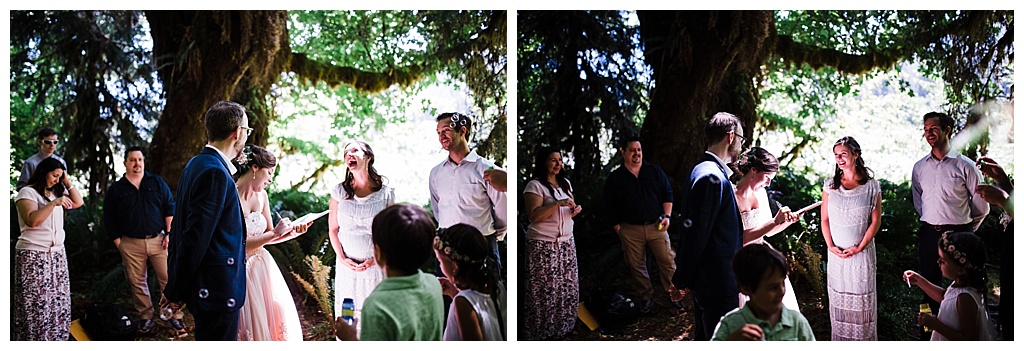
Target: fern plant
[{"x": 320, "y": 288}]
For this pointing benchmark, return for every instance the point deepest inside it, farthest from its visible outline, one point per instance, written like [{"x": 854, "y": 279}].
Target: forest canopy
[{"x": 107, "y": 79}]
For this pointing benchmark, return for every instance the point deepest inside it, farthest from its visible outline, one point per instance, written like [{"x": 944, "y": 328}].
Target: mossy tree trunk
[
  {"x": 703, "y": 62},
  {"x": 205, "y": 57}
]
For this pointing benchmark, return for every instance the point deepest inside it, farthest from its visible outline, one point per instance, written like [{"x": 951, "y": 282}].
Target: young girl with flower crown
[
  {"x": 471, "y": 280},
  {"x": 962, "y": 314}
]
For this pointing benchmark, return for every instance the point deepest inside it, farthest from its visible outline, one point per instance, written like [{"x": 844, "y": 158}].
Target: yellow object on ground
[
  {"x": 587, "y": 318},
  {"x": 78, "y": 332}
]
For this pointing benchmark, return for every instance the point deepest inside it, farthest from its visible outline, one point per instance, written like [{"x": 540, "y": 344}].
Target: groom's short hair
[
  {"x": 719, "y": 126},
  {"x": 222, "y": 119}
]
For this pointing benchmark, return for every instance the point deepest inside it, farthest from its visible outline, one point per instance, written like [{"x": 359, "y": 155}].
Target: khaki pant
[
  {"x": 134, "y": 254},
  {"x": 635, "y": 239}
]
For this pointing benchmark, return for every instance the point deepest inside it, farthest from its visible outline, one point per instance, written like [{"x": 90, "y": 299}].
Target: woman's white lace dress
[{"x": 851, "y": 281}]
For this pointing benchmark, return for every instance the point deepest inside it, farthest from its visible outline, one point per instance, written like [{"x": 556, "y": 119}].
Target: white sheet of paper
[
  {"x": 309, "y": 217},
  {"x": 808, "y": 208}
]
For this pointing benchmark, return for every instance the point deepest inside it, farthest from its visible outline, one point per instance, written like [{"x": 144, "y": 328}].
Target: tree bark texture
[
  {"x": 704, "y": 62},
  {"x": 205, "y": 57}
]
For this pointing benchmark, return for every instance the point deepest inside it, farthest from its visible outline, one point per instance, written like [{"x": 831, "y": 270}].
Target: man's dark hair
[
  {"x": 46, "y": 132},
  {"x": 133, "y": 148},
  {"x": 222, "y": 119},
  {"x": 458, "y": 120},
  {"x": 719, "y": 126},
  {"x": 624, "y": 143},
  {"x": 945, "y": 121},
  {"x": 754, "y": 262},
  {"x": 404, "y": 235}
]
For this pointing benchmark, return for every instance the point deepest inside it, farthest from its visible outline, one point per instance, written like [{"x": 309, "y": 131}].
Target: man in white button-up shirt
[
  {"x": 459, "y": 192},
  {"x": 943, "y": 185}
]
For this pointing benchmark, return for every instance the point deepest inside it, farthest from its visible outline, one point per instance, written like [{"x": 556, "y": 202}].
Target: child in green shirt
[
  {"x": 760, "y": 273},
  {"x": 407, "y": 305}
]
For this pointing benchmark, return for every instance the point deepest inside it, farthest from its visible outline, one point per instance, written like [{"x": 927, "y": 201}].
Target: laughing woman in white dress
[
  {"x": 269, "y": 312},
  {"x": 354, "y": 203},
  {"x": 759, "y": 167},
  {"x": 851, "y": 213}
]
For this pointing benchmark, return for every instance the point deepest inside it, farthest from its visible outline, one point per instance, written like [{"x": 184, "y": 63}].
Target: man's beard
[{"x": 239, "y": 145}]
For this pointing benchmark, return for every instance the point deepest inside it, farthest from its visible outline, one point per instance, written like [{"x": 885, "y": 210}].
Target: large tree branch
[
  {"x": 370, "y": 82},
  {"x": 796, "y": 53},
  {"x": 312, "y": 71}
]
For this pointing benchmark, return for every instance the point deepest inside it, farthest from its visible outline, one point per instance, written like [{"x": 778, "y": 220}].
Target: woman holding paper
[
  {"x": 269, "y": 312},
  {"x": 759, "y": 167},
  {"x": 851, "y": 214},
  {"x": 354, "y": 203}
]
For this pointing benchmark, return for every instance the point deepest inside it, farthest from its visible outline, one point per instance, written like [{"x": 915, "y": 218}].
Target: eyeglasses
[
  {"x": 248, "y": 131},
  {"x": 50, "y": 142},
  {"x": 743, "y": 140}
]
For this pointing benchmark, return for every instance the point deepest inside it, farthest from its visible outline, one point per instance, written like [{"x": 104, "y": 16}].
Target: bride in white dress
[
  {"x": 269, "y": 312},
  {"x": 759, "y": 167}
]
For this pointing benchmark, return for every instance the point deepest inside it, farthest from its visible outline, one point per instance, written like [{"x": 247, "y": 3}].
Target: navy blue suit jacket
[
  {"x": 206, "y": 255},
  {"x": 714, "y": 234}
]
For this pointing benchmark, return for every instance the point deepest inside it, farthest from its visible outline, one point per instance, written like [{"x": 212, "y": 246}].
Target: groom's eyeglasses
[
  {"x": 743, "y": 140},
  {"x": 248, "y": 131},
  {"x": 50, "y": 142}
]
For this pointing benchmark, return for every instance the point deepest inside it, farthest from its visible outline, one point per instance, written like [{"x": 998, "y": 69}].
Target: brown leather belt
[{"x": 942, "y": 228}]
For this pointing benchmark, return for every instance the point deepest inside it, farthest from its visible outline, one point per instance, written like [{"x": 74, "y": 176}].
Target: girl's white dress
[
  {"x": 485, "y": 310},
  {"x": 948, "y": 316}
]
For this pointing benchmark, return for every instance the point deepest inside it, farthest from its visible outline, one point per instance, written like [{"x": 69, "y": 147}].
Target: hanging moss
[{"x": 311, "y": 71}]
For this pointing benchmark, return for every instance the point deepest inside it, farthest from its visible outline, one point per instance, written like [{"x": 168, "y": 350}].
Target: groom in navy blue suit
[
  {"x": 206, "y": 255},
  {"x": 712, "y": 230}
]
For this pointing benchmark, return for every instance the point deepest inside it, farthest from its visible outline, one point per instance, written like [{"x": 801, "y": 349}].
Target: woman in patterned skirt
[
  {"x": 42, "y": 289},
  {"x": 354, "y": 203},
  {"x": 552, "y": 298},
  {"x": 851, "y": 213}
]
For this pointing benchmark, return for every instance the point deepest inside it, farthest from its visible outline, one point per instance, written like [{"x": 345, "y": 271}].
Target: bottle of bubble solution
[
  {"x": 926, "y": 309},
  {"x": 348, "y": 312}
]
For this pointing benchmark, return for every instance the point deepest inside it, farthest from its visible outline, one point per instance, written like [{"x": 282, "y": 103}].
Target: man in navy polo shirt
[{"x": 137, "y": 213}]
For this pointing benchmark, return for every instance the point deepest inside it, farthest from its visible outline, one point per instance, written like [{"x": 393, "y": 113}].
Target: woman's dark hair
[
  {"x": 477, "y": 268},
  {"x": 754, "y": 262},
  {"x": 863, "y": 172},
  {"x": 970, "y": 248},
  {"x": 758, "y": 159},
  {"x": 38, "y": 178},
  {"x": 375, "y": 178},
  {"x": 404, "y": 236},
  {"x": 253, "y": 155},
  {"x": 540, "y": 171}
]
